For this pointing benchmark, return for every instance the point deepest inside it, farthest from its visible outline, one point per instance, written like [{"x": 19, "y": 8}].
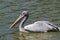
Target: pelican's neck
[{"x": 23, "y": 21}]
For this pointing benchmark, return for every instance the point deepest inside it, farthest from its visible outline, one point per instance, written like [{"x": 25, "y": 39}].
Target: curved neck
[{"x": 23, "y": 21}]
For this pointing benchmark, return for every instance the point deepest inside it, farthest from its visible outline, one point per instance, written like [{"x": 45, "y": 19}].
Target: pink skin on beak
[{"x": 17, "y": 21}]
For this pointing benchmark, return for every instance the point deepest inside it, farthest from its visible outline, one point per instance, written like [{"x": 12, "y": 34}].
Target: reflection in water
[{"x": 37, "y": 36}]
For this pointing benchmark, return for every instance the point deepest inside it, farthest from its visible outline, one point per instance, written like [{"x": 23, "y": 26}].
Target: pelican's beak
[{"x": 17, "y": 21}]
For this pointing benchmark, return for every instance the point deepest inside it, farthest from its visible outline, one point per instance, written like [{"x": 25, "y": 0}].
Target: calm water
[{"x": 39, "y": 10}]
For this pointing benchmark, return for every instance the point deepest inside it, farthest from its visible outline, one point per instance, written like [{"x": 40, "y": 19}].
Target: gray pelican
[{"x": 39, "y": 26}]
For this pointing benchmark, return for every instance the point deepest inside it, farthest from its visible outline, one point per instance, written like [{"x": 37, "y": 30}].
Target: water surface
[{"x": 40, "y": 10}]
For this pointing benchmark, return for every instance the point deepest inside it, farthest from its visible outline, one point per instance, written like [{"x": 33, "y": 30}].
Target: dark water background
[{"x": 39, "y": 10}]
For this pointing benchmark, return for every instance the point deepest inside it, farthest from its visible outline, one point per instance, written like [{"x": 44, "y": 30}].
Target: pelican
[{"x": 39, "y": 26}]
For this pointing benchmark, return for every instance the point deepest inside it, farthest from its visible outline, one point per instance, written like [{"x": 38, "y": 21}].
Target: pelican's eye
[{"x": 23, "y": 13}]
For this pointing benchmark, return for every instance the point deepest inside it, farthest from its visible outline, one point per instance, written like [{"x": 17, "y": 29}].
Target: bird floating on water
[{"x": 39, "y": 26}]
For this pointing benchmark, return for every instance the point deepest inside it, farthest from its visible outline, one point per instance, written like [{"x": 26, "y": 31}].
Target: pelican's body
[{"x": 39, "y": 26}]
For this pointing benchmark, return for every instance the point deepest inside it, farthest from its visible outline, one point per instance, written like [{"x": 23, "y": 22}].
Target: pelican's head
[
  {"x": 20, "y": 18},
  {"x": 24, "y": 13}
]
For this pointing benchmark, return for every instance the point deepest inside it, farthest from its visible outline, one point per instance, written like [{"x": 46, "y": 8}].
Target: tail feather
[
  {"x": 51, "y": 24},
  {"x": 59, "y": 28}
]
